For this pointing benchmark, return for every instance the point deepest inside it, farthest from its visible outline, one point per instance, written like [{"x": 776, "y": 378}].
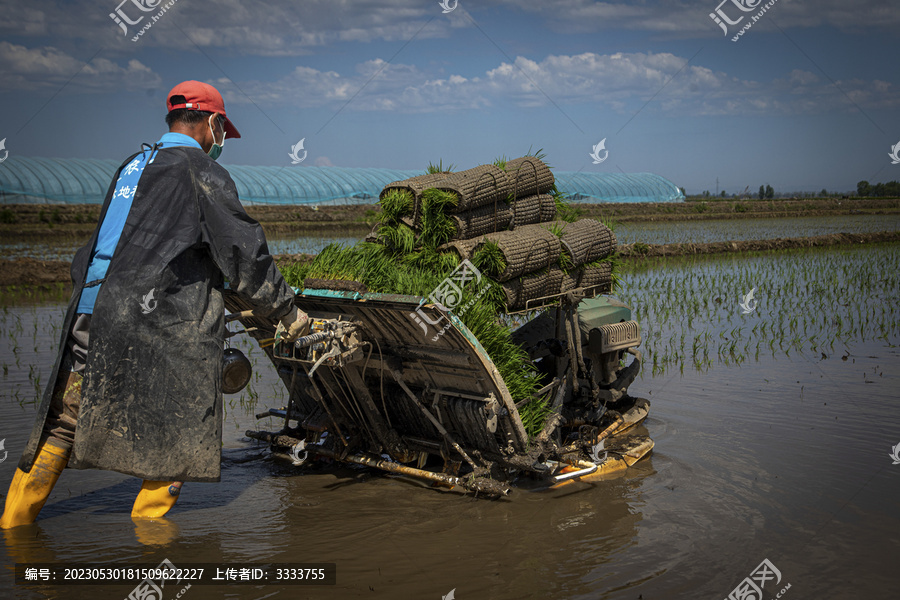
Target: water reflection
[{"x": 778, "y": 457}]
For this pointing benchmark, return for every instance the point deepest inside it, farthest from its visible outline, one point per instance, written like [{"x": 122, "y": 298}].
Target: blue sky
[{"x": 807, "y": 97}]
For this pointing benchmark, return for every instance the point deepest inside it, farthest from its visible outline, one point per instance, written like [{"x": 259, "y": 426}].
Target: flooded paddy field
[
  {"x": 62, "y": 248},
  {"x": 772, "y": 427},
  {"x": 733, "y": 230}
]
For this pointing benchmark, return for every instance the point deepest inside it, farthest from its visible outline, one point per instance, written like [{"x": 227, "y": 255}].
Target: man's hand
[{"x": 294, "y": 324}]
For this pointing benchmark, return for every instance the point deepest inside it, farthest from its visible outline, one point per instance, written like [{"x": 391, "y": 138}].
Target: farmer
[{"x": 136, "y": 387}]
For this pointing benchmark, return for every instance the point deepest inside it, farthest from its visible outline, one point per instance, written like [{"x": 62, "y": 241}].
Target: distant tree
[
  {"x": 706, "y": 193},
  {"x": 823, "y": 193},
  {"x": 770, "y": 193},
  {"x": 683, "y": 193},
  {"x": 762, "y": 192},
  {"x": 723, "y": 193},
  {"x": 862, "y": 188},
  {"x": 890, "y": 189}
]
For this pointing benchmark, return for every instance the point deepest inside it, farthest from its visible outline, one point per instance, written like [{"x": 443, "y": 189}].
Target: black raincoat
[{"x": 151, "y": 397}]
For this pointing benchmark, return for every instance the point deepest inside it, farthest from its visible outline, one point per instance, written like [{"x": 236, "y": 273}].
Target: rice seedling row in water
[
  {"x": 811, "y": 301},
  {"x": 30, "y": 337}
]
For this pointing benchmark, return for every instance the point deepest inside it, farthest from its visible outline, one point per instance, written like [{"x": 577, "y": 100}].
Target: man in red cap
[{"x": 136, "y": 387}]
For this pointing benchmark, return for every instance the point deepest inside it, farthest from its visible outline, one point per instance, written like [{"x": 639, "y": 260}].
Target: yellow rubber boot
[
  {"x": 28, "y": 491},
  {"x": 155, "y": 499}
]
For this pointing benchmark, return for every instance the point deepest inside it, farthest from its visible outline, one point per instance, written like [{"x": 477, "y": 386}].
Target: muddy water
[
  {"x": 783, "y": 458},
  {"x": 659, "y": 232}
]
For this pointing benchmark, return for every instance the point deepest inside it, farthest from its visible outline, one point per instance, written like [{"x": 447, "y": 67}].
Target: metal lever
[
  {"x": 576, "y": 474},
  {"x": 334, "y": 351}
]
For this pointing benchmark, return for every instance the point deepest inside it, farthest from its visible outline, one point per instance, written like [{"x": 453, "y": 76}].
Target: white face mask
[{"x": 216, "y": 150}]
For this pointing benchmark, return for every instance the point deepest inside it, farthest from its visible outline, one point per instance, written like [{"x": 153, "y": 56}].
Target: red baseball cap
[{"x": 201, "y": 96}]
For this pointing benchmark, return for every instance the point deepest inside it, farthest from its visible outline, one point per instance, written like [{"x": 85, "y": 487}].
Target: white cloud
[
  {"x": 24, "y": 68},
  {"x": 295, "y": 28},
  {"x": 619, "y": 81},
  {"x": 679, "y": 18},
  {"x": 255, "y": 27},
  {"x": 20, "y": 18}
]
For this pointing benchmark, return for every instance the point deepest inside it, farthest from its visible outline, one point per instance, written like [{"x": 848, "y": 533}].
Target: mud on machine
[{"x": 367, "y": 387}]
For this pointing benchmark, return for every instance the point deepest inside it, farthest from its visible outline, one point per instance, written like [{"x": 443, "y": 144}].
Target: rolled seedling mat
[
  {"x": 587, "y": 240},
  {"x": 340, "y": 285},
  {"x": 463, "y": 248},
  {"x": 529, "y": 176},
  {"x": 478, "y": 186},
  {"x": 546, "y": 283},
  {"x": 413, "y": 186},
  {"x": 569, "y": 281},
  {"x": 597, "y": 275},
  {"x": 372, "y": 236},
  {"x": 525, "y": 250},
  {"x": 548, "y": 208},
  {"x": 512, "y": 290},
  {"x": 533, "y": 209},
  {"x": 486, "y": 219}
]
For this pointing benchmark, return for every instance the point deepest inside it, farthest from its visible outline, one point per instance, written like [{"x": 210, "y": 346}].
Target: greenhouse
[{"x": 27, "y": 180}]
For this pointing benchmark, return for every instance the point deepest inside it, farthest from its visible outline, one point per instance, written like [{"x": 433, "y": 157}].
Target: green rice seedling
[
  {"x": 615, "y": 263},
  {"x": 396, "y": 204},
  {"x": 500, "y": 162},
  {"x": 433, "y": 169},
  {"x": 379, "y": 271},
  {"x": 494, "y": 297},
  {"x": 334, "y": 262},
  {"x": 609, "y": 222},
  {"x": 400, "y": 237},
  {"x": 564, "y": 210},
  {"x": 429, "y": 259},
  {"x": 534, "y": 414},
  {"x": 853, "y": 289},
  {"x": 426, "y": 258},
  {"x": 295, "y": 272},
  {"x": 555, "y": 227},
  {"x": 489, "y": 259},
  {"x": 540, "y": 155},
  {"x": 438, "y": 227}
]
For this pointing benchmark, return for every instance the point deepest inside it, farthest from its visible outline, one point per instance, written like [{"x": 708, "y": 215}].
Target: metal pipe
[
  {"x": 321, "y": 400},
  {"x": 573, "y": 353},
  {"x": 487, "y": 486},
  {"x": 276, "y": 439},
  {"x": 610, "y": 429},
  {"x": 290, "y": 402},
  {"x": 244, "y": 314},
  {"x": 430, "y": 417},
  {"x": 592, "y": 468},
  {"x": 556, "y": 381},
  {"x": 480, "y": 485}
]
